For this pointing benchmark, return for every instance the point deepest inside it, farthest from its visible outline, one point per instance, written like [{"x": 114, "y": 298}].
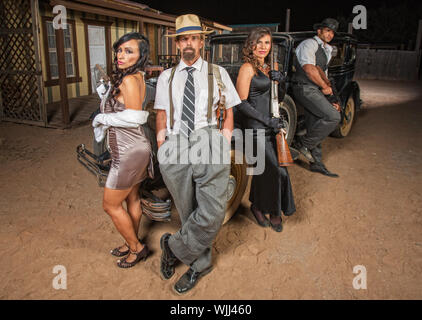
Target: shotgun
[
  {"x": 103, "y": 89},
  {"x": 103, "y": 74},
  {"x": 283, "y": 151}
]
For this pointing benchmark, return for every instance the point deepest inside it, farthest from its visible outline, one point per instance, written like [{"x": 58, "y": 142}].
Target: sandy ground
[{"x": 51, "y": 214}]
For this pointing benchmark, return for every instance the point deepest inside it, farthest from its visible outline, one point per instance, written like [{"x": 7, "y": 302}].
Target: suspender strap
[
  {"x": 171, "y": 97},
  {"x": 213, "y": 70},
  {"x": 221, "y": 109},
  {"x": 210, "y": 92},
  {"x": 217, "y": 75}
]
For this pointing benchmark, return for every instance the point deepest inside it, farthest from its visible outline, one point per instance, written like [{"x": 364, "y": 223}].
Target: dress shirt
[
  {"x": 306, "y": 50},
  {"x": 200, "y": 76}
]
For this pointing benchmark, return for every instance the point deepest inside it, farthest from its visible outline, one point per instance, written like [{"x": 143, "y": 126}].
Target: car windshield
[
  {"x": 229, "y": 56},
  {"x": 227, "y": 53}
]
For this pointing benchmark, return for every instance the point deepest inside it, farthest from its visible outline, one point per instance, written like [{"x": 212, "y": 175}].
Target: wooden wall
[
  {"x": 118, "y": 28},
  {"x": 386, "y": 64}
]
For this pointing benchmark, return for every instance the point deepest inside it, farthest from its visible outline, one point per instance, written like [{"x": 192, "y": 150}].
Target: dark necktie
[{"x": 188, "y": 110}]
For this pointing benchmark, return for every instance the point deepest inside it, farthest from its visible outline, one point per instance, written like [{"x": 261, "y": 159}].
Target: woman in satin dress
[
  {"x": 271, "y": 192},
  {"x": 130, "y": 149}
]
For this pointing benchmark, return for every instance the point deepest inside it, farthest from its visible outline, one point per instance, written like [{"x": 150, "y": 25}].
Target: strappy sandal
[
  {"x": 141, "y": 255},
  {"x": 117, "y": 253}
]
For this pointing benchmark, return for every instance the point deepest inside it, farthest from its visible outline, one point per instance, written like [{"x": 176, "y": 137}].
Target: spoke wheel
[
  {"x": 344, "y": 127},
  {"x": 287, "y": 110},
  {"x": 238, "y": 181}
]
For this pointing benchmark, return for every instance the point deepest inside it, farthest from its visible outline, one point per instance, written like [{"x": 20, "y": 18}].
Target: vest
[{"x": 321, "y": 61}]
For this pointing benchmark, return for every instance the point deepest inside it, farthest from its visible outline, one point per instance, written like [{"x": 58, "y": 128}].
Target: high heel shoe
[
  {"x": 256, "y": 213},
  {"x": 141, "y": 255},
  {"x": 277, "y": 227},
  {"x": 117, "y": 253}
]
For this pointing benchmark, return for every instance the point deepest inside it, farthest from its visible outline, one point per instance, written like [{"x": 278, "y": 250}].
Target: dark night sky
[{"x": 303, "y": 13}]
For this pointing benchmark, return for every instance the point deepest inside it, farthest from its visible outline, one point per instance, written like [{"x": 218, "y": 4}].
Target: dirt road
[{"x": 51, "y": 214}]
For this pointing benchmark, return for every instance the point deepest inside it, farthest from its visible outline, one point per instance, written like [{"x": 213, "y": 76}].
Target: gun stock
[{"x": 283, "y": 152}]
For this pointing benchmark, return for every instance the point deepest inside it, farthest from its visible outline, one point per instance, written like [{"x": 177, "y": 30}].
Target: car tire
[
  {"x": 289, "y": 112},
  {"x": 238, "y": 181},
  {"x": 346, "y": 123}
]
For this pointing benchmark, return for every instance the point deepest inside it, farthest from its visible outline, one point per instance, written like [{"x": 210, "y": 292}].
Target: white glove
[{"x": 128, "y": 118}]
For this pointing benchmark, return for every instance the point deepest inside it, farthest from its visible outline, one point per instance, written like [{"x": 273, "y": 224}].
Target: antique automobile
[
  {"x": 225, "y": 50},
  {"x": 98, "y": 163}
]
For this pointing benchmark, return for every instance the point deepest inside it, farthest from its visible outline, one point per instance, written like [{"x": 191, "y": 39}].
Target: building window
[
  {"x": 52, "y": 51},
  {"x": 168, "y": 57},
  {"x": 70, "y": 52},
  {"x": 338, "y": 55}
]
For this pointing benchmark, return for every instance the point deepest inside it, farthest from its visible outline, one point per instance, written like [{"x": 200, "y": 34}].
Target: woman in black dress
[{"x": 271, "y": 192}]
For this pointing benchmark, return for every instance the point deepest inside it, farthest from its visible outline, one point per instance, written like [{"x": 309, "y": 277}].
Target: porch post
[
  {"x": 287, "y": 27},
  {"x": 141, "y": 26},
  {"x": 64, "y": 102}
]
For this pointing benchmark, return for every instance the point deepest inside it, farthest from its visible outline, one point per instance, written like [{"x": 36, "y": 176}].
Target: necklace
[{"x": 264, "y": 66}]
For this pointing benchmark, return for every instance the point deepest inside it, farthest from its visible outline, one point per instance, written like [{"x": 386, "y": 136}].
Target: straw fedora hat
[{"x": 188, "y": 24}]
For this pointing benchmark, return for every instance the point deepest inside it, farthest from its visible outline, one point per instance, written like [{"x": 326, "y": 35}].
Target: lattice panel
[{"x": 18, "y": 74}]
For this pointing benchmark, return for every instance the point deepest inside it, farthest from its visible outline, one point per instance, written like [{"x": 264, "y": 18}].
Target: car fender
[{"x": 351, "y": 89}]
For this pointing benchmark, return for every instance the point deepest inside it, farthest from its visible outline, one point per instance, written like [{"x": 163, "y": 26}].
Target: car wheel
[
  {"x": 345, "y": 125},
  {"x": 238, "y": 181},
  {"x": 289, "y": 114}
]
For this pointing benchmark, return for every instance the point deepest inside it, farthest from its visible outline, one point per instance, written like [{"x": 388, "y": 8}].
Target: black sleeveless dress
[{"x": 271, "y": 192}]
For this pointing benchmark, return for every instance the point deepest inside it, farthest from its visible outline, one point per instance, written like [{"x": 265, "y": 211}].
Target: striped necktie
[{"x": 188, "y": 110}]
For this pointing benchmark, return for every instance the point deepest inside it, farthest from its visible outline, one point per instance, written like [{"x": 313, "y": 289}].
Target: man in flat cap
[
  {"x": 186, "y": 118},
  {"x": 311, "y": 88}
]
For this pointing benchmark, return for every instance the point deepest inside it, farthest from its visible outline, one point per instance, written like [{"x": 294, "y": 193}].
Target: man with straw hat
[{"x": 186, "y": 122}]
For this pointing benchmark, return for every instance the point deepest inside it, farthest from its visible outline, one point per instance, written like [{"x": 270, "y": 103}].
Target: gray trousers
[
  {"x": 199, "y": 192},
  {"x": 321, "y": 117}
]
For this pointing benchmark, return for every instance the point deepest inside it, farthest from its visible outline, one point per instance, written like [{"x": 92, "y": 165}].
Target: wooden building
[{"x": 47, "y": 74}]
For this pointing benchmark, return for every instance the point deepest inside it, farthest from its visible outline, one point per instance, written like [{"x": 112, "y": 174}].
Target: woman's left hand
[{"x": 276, "y": 75}]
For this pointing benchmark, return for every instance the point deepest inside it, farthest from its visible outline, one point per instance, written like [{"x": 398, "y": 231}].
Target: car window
[
  {"x": 350, "y": 57},
  {"x": 227, "y": 53},
  {"x": 338, "y": 54},
  {"x": 281, "y": 56},
  {"x": 229, "y": 56}
]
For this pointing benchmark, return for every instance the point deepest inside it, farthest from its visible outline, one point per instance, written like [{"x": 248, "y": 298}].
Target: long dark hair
[
  {"x": 250, "y": 45},
  {"x": 118, "y": 74}
]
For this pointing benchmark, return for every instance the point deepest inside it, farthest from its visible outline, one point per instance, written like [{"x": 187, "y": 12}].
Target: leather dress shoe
[
  {"x": 298, "y": 145},
  {"x": 189, "y": 279},
  {"x": 168, "y": 259},
  {"x": 320, "y": 167},
  {"x": 307, "y": 154},
  {"x": 294, "y": 153}
]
